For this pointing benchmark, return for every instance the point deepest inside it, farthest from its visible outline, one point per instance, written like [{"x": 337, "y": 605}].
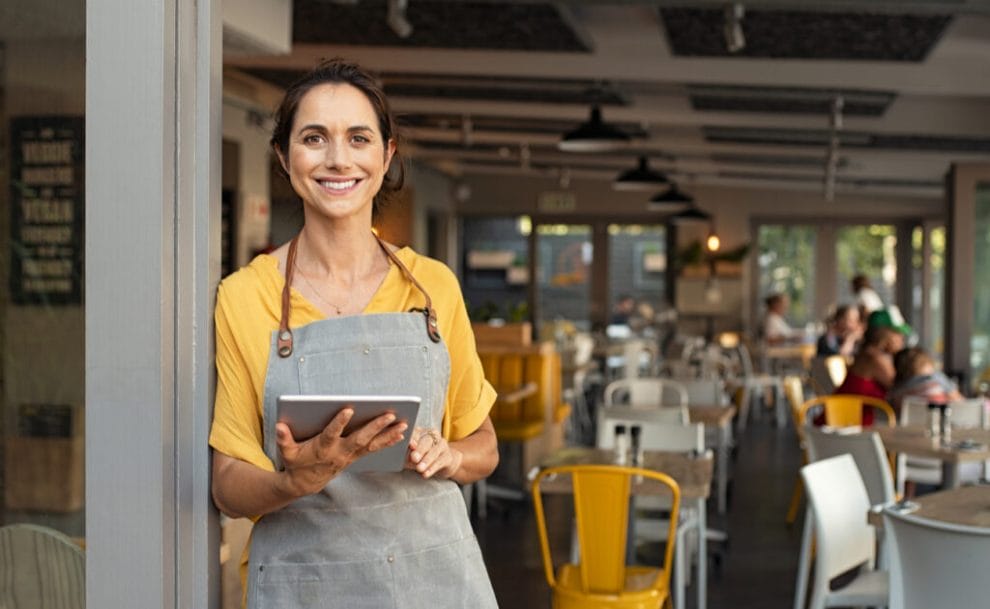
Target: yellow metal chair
[
  {"x": 846, "y": 410},
  {"x": 601, "y": 507},
  {"x": 794, "y": 392}
]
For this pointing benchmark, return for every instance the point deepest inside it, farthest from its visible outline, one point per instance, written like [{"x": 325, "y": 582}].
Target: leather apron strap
[{"x": 284, "y": 340}]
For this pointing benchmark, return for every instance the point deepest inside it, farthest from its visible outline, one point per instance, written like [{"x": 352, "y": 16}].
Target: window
[{"x": 786, "y": 262}]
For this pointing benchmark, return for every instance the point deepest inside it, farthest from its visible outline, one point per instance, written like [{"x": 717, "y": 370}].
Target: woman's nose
[{"x": 338, "y": 155}]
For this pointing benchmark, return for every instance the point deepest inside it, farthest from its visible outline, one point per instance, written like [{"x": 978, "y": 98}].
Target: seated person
[
  {"x": 622, "y": 310},
  {"x": 775, "y": 330},
  {"x": 916, "y": 376},
  {"x": 844, "y": 331},
  {"x": 872, "y": 370},
  {"x": 866, "y": 297}
]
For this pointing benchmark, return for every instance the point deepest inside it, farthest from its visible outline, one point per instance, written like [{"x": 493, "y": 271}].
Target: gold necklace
[{"x": 336, "y": 308}]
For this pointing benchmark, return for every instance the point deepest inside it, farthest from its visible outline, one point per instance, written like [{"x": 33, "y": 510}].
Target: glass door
[{"x": 563, "y": 282}]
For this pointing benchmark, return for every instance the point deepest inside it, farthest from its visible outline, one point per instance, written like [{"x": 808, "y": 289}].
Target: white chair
[
  {"x": 867, "y": 451},
  {"x": 966, "y": 414},
  {"x": 646, "y": 392},
  {"x": 671, "y": 415},
  {"x": 935, "y": 563},
  {"x": 871, "y": 460},
  {"x": 703, "y": 391},
  {"x": 673, "y": 438},
  {"x": 839, "y": 505},
  {"x": 40, "y": 567},
  {"x": 753, "y": 384}
]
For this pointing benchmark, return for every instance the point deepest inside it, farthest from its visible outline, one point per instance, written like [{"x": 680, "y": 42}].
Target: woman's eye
[
  {"x": 361, "y": 139},
  {"x": 312, "y": 139}
]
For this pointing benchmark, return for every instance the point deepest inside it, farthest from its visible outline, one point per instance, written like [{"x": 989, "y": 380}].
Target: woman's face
[{"x": 337, "y": 158}]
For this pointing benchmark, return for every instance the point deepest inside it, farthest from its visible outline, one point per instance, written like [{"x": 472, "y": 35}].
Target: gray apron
[{"x": 375, "y": 540}]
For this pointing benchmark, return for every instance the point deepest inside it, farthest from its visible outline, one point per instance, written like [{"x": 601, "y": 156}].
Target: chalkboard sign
[
  {"x": 45, "y": 421},
  {"x": 46, "y": 183}
]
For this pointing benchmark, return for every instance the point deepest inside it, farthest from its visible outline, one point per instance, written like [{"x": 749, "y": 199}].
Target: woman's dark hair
[{"x": 338, "y": 71}]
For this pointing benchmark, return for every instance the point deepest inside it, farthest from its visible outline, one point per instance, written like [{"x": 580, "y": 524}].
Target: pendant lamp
[
  {"x": 594, "y": 135},
  {"x": 691, "y": 214},
  {"x": 640, "y": 177},
  {"x": 672, "y": 197}
]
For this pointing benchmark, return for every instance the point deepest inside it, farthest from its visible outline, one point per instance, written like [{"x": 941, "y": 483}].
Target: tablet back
[{"x": 308, "y": 415}]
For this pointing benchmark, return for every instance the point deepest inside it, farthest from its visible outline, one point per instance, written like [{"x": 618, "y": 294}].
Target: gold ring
[{"x": 433, "y": 435}]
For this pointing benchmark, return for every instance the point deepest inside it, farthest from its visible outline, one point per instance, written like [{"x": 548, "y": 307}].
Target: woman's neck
[{"x": 344, "y": 253}]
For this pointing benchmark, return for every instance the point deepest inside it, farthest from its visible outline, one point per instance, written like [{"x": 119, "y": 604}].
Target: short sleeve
[
  {"x": 236, "y": 430},
  {"x": 469, "y": 396}
]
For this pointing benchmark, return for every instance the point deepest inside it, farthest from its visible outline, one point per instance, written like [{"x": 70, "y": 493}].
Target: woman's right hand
[{"x": 311, "y": 464}]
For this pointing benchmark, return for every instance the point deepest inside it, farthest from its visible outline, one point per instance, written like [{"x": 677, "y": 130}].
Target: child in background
[{"x": 916, "y": 376}]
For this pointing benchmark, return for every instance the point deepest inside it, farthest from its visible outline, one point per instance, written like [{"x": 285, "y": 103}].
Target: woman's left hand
[{"x": 431, "y": 455}]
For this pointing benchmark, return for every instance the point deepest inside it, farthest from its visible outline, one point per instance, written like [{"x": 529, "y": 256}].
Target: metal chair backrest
[
  {"x": 646, "y": 392},
  {"x": 868, "y": 453},
  {"x": 601, "y": 509},
  {"x": 846, "y": 410},
  {"x": 936, "y": 563}
]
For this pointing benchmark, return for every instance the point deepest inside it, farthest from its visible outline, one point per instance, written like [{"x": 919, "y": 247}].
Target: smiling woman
[{"x": 358, "y": 540}]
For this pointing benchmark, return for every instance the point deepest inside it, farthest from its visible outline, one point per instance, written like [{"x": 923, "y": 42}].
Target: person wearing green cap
[{"x": 889, "y": 317}]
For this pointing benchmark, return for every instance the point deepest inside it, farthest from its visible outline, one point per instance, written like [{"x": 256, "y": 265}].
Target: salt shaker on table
[{"x": 621, "y": 445}]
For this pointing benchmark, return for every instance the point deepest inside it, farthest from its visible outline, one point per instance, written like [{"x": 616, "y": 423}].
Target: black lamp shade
[
  {"x": 593, "y": 136},
  {"x": 640, "y": 177},
  {"x": 691, "y": 214},
  {"x": 672, "y": 197}
]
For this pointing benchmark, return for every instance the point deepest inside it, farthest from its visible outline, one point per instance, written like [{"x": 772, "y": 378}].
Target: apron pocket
[
  {"x": 336, "y": 585},
  {"x": 451, "y": 576}
]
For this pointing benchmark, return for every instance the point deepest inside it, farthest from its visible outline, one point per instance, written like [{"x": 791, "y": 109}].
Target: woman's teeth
[{"x": 338, "y": 185}]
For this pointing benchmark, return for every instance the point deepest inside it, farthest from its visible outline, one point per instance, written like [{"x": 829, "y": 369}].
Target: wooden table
[
  {"x": 692, "y": 474},
  {"x": 966, "y": 505},
  {"x": 915, "y": 441}
]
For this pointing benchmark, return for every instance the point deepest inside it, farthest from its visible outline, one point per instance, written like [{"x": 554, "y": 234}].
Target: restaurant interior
[{"x": 655, "y": 211}]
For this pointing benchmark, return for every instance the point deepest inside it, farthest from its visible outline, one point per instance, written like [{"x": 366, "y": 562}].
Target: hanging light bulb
[{"x": 713, "y": 242}]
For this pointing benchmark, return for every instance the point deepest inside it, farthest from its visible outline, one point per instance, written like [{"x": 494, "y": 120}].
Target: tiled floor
[{"x": 756, "y": 569}]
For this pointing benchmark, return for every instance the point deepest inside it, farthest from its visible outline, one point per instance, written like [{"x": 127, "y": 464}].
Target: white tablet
[{"x": 308, "y": 415}]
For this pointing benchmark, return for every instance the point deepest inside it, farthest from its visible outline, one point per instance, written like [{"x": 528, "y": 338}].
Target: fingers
[
  {"x": 367, "y": 432},
  {"x": 285, "y": 442}
]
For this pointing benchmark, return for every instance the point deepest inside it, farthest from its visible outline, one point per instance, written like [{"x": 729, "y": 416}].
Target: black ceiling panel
[
  {"x": 442, "y": 25},
  {"x": 530, "y": 90},
  {"x": 805, "y": 35},
  {"x": 788, "y": 100}
]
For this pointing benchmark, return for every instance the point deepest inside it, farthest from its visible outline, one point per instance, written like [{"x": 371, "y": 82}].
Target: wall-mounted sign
[
  {"x": 46, "y": 211},
  {"x": 556, "y": 202}
]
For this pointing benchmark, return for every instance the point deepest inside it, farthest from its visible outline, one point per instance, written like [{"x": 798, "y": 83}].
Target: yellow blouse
[{"x": 248, "y": 311}]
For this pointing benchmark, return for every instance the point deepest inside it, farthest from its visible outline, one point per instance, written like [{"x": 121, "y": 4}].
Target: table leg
[
  {"x": 702, "y": 555},
  {"x": 724, "y": 442},
  {"x": 950, "y": 475}
]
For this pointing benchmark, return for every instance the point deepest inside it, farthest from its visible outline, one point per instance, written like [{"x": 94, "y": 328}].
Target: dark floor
[{"x": 755, "y": 570}]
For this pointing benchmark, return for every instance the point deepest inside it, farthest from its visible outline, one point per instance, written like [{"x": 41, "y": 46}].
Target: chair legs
[{"x": 792, "y": 510}]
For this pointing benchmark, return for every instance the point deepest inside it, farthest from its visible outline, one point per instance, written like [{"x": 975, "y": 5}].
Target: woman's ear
[
  {"x": 389, "y": 153},
  {"x": 281, "y": 159}
]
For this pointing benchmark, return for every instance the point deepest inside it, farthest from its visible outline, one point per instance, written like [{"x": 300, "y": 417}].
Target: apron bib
[{"x": 375, "y": 540}]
